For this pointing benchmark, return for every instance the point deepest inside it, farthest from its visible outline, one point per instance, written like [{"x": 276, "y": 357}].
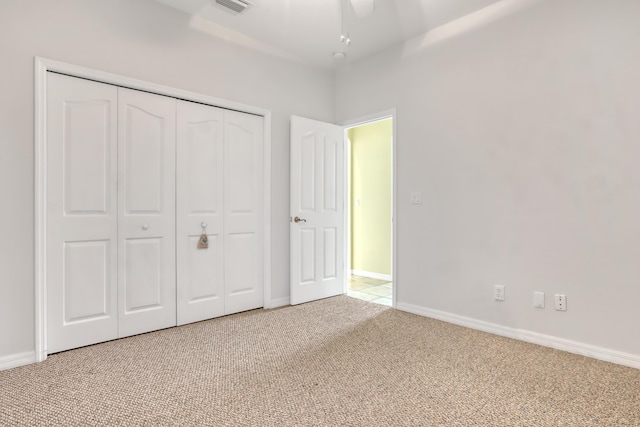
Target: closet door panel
[
  {"x": 242, "y": 270},
  {"x": 81, "y": 270},
  {"x": 86, "y": 280},
  {"x": 144, "y": 159},
  {"x": 143, "y": 274},
  {"x": 243, "y": 195},
  {"x": 146, "y": 220},
  {"x": 200, "y": 152}
]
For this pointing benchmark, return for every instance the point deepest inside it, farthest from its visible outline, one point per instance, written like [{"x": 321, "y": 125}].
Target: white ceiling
[{"x": 308, "y": 31}]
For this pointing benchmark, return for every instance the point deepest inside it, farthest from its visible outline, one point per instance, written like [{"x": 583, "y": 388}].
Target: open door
[{"x": 317, "y": 220}]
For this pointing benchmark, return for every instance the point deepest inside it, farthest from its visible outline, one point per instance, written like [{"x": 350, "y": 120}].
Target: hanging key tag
[{"x": 203, "y": 241}]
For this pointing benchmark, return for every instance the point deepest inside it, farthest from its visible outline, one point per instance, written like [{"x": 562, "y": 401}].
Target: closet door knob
[{"x": 145, "y": 226}]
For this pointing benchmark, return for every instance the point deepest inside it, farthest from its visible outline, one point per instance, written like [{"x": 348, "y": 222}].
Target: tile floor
[{"x": 367, "y": 289}]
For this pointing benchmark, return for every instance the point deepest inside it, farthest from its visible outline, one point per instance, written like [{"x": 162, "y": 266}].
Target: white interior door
[
  {"x": 243, "y": 211},
  {"x": 199, "y": 173},
  {"x": 146, "y": 205},
  {"x": 317, "y": 210},
  {"x": 81, "y": 269}
]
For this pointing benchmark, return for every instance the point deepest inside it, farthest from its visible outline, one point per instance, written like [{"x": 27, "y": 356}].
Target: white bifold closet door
[
  {"x": 146, "y": 212},
  {"x": 200, "y": 159},
  {"x": 243, "y": 212},
  {"x": 219, "y": 193},
  {"x": 110, "y": 212},
  {"x": 81, "y": 239},
  {"x": 133, "y": 180}
]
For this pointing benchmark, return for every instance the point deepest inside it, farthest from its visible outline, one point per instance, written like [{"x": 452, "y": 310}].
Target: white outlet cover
[{"x": 561, "y": 302}]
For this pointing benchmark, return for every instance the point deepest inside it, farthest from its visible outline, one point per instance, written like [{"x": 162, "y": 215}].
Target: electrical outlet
[
  {"x": 561, "y": 302},
  {"x": 538, "y": 299},
  {"x": 498, "y": 292}
]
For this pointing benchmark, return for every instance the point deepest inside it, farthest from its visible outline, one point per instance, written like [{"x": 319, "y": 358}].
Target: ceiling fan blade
[{"x": 362, "y": 8}]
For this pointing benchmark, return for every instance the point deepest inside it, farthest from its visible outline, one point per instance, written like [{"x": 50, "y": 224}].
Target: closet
[{"x": 153, "y": 212}]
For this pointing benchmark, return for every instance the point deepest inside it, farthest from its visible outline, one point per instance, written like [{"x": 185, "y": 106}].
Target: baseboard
[
  {"x": 280, "y": 302},
  {"x": 15, "y": 360},
  {"x": 595, "y": 352},
  {"x": 372, "y": 275}
]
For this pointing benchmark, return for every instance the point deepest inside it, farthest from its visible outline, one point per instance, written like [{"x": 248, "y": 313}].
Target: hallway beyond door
[{"x": 372, "y": 290}]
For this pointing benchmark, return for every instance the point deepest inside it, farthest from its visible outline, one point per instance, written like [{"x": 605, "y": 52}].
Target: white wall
[
  {"x": 523, "y": 134},
  {"x": 148, "y": 41}
]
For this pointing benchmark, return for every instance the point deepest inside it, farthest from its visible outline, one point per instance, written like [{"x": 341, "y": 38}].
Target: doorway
[{"x": 370, "y": 211}]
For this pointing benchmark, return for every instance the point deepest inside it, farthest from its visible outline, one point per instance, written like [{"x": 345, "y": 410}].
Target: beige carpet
[{"x": 335, "y": 362}]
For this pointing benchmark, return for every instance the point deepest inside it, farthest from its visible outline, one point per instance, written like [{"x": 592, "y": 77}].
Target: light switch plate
[
  {"x": 538, "y": 299},
  {"x": 416, "y": 198}
]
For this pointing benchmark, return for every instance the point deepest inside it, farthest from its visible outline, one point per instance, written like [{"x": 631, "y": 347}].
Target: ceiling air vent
[{"x": 235, "y": 6}]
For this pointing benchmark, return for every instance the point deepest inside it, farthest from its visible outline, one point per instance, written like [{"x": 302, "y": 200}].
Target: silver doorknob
[
  {"x": 298, "y": 219},
  {"x": 145, "y": 226}
]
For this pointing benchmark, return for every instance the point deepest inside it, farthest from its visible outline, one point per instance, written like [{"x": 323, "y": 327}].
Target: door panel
[
  {"x": 200, "y": 155},
  {"x": 330, "y": 175},
  {"x": 205, "y": 270},
  {"x": 146, "y": 221},
  {"x": 240, "y": 174},
  {"x": 240, "y": 269},
  {"x": 330, "y": 256},
  {"x": 87, "y": 281},
  {"x": 143, "y": 275},
  {"x": 308, "y": 255},
  {"x": 307, "y": 173},
  {"x": 243, "y": 212},
  {"x": 81, "y": 270},
  {"x": 144, "y": 160},
  {"x": 86, "y": 165},
  {"x": 317, "y": 197}
]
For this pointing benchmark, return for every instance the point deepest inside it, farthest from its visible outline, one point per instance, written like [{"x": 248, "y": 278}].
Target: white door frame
[
  {"x": 42, "y": 66},
  {"x": 359, "y": 121}
]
